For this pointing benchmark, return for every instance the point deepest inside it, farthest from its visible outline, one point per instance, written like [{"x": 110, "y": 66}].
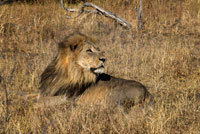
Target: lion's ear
[{"x": 73, "y": 47}]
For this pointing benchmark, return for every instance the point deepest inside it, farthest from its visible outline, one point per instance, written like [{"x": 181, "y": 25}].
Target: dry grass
[{"x": 164, "y": 56}]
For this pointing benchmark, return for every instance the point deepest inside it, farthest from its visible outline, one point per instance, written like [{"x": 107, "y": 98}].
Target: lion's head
[{"x": 76, "y": 66}]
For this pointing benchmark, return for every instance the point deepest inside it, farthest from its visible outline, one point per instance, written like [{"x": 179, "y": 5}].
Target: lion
[{"x": 77, "y": 73}]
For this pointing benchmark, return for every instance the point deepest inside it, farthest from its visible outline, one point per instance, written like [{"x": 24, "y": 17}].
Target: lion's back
[{"x": 114, "y": 91}]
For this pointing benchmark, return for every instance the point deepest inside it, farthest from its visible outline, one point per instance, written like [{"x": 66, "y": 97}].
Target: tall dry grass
[{"x": 164, "y": 56}]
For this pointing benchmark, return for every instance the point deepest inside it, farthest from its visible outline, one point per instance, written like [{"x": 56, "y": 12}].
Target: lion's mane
[{"x": 63, "y": 76}]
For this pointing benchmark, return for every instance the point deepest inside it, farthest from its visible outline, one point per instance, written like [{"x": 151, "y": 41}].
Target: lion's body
[
  {"x": 110, "y": 90},
  {"x": 78, "y": 72}
]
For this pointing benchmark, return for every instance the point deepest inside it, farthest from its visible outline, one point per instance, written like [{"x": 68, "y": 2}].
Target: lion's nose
[{"x": 102, "y": 59}]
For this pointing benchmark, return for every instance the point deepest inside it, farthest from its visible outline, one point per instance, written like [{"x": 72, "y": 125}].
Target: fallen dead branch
[
  {"x": 97, "y": 10},
  {"x": 139, "y": 13},
  {"x": 6, "y": 2}
]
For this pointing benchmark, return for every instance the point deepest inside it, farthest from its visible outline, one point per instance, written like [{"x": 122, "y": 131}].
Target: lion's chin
[{"x": 99, "y": 70}]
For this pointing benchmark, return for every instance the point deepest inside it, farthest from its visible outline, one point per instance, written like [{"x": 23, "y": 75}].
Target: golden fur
[
  {"x": 78, "y": 72},
  {"x": 65, "y": 75}
]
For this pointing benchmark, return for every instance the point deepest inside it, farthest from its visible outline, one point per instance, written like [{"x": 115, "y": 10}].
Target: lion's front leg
[{"x": 50, "y": 101}]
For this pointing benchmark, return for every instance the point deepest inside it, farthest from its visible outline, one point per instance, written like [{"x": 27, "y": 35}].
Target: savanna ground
[{"x": 164, "y": 56}]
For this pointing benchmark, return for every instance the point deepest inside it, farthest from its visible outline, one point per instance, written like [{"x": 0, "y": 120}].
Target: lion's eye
[{"x": 89, "y": 51}]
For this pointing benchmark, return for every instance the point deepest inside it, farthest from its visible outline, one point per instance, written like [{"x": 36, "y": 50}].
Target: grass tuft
[{"x": 164, "y": 56}]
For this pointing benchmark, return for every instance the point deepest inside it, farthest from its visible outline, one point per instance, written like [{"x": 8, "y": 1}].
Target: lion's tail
[{"x": 149, "y": 99}]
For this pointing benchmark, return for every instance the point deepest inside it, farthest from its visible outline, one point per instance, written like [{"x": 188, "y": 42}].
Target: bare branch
[
  {"x": 68, "y": 9},
  {"x": 6, "y": 2},
  {"x": 97, "y": 10},
  {"x": 139, "y": 13},
  {"x": 107, "y": 14}
]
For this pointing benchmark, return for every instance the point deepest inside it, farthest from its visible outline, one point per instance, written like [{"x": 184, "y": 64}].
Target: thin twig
[
  {"x": 6, "y": 2},
  {"x": 6, "y": 102},
  {"x": 139, "y": 13},
  {"x": 97, "y": 10},
  {"x": 68, "y": 9}
]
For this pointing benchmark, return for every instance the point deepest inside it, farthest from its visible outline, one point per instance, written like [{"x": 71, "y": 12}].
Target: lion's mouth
[{"x": 98, "y": 70}]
